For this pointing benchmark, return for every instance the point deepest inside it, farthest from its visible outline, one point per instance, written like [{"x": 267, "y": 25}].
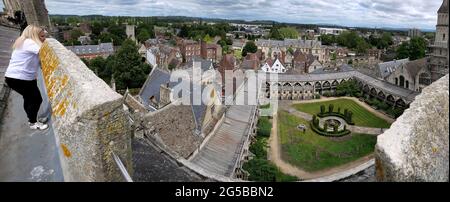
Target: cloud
[{"x": 371, "y": 13}]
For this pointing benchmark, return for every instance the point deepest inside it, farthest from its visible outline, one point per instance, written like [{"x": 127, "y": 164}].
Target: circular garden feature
[{"x": 330, "y": 123}]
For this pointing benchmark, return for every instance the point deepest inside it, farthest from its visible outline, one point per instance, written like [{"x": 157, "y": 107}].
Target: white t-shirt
[{"x": 24, "y": 62}]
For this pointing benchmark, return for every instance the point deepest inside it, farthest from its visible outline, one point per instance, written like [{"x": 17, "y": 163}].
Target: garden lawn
[
  {"x": 312, "y": 152},
  {"x": 361, "y": 116}
]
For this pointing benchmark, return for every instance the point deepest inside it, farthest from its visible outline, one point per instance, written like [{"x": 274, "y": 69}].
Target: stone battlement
[
  {"x": 88, "y": 117},
  {"x": 416, "y": 146}
]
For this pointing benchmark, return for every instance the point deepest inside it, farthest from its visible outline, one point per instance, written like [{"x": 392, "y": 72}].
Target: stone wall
[
  {"x": 88, "y": 117},
  {"x": 416, "y": 146}
]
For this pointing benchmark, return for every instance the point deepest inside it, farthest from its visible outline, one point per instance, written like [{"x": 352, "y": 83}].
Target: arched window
[
  {"x": 396, "y": 81},
  {"x": 407, "y": 84},
  {"x": 402, "y": 81}
]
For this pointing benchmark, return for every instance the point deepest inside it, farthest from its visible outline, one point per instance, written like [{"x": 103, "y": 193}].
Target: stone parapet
[
  {"x": 88, "y": 117},
  {"x": 416, "y": 146}
]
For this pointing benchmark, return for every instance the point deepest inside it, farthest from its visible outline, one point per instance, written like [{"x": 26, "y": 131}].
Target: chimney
[{"x": 165, "y": 97}]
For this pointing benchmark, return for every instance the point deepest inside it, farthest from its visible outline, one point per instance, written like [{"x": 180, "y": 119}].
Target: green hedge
[
  {"x": 327, "y": 134},
  {"x": 264, "y": 127},
  {"x": 336, "y": 114}
]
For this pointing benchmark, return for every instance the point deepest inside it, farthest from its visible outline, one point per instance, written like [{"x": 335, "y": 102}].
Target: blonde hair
[{"x": 30, "y": 32}]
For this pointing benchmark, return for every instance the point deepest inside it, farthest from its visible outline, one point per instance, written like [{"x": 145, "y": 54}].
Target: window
[
  {"x": 407, "y": 84},
  {"x": 396, "y": 81},
  {"x": 443, "y": 37},
  {"x": 402, "y": 81}
]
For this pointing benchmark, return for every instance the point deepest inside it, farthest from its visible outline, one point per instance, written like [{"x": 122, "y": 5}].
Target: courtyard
[{"x": 300, "y": 151}]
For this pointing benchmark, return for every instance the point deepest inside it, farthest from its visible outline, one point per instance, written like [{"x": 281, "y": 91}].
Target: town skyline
[{"x": 419, "y": 14}]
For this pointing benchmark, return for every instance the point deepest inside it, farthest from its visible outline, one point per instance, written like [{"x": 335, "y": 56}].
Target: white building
[
  {"x": 331, "y": 31},
  {"x": 274, "y": 67}
]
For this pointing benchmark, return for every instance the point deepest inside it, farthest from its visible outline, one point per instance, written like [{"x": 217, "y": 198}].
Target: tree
[
  {"x": 415, "y": 49},
  {"x": 250, "y": 47},
  {"x": 75, "y": 34},
  {"x": 97, "y": 28},
  {"x": 128, "y": 69},
  {"x": 348, "y": 88},
  {"x": 288, "y": 33},
  {"x": 143, "y": 35},
  {"x": 207, "y": 39},
  {"x": 327, "y": 39},
  {"x": 275, "y": 34},
  {"x": 322, "y": 109},
  {"x": 361, "y": 45},
  {"x": 403, "y": 51}
]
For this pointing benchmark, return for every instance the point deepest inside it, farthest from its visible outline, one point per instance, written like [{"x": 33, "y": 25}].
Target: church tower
[
  {"x": 438, "y": 62},
  {"x": 36, "y": 13}
]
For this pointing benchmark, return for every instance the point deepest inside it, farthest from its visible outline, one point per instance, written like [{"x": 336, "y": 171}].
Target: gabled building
[
  {"x": 274, "y": 67},
  {"x": 411, "y": 75}
]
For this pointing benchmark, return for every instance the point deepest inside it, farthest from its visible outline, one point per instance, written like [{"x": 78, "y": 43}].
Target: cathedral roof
[{"x": 415, "y": 66}]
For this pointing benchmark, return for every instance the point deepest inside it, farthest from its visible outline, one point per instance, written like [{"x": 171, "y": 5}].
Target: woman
[{"x": 22, "y": 72}]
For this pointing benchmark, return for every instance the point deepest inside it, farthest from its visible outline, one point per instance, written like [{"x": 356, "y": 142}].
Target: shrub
[
  {"x": 322, "y": 109},
  {"x": 264, "y": 127},
  {"x": 321, "y": 132},
  {"x": 317, "y": 96},
  {"x": 259, "y": 148},
  {"x": 331, "y": 108},
  {"x": 339, "y": 110}
]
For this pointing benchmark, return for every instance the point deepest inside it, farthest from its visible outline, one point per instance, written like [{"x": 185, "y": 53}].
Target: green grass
[
  {"x": 313, "y": 152},
  {"x": 361, "y": 116}
]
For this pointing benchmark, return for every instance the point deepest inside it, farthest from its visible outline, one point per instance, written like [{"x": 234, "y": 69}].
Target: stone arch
[
  {"x": 326, "y": 84},
  {"x": 318, "y": 85},
  {"x": 297, "y": 85},
  {"x": 381, "y": 95},
  {"x": 402, "y": 81},
  {"x": 373, "y": 91},
  {"x": 390, "y": 99},
  {"x": 287, "y": 85},
  {"x": 360, "y": 83},
  {"x": 366, "y": 88},
  {"x": 396, "y": 81},
  {"x": 335, "y": 83},
  {"x": 308, "y": 84},
  {"x": 400, "y": 102}
]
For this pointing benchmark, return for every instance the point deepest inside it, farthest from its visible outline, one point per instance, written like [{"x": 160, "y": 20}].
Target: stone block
[{"x": 415, "y": 148}]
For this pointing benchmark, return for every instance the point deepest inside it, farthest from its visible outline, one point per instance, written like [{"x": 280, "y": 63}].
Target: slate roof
[
  {"x": 415, "y": 66},
  {"x": 92, "y": 49},
  {"x": 289, "y": 42},
  {"x": 387, "y": 68},
  {"x": 160, "y": 77}
]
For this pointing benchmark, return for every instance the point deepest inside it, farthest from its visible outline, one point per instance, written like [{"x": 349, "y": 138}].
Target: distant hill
[{"x": 237, "y": 21}]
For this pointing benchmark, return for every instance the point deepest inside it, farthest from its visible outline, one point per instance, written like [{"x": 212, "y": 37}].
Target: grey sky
[{"x": 371, "y": 13}]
